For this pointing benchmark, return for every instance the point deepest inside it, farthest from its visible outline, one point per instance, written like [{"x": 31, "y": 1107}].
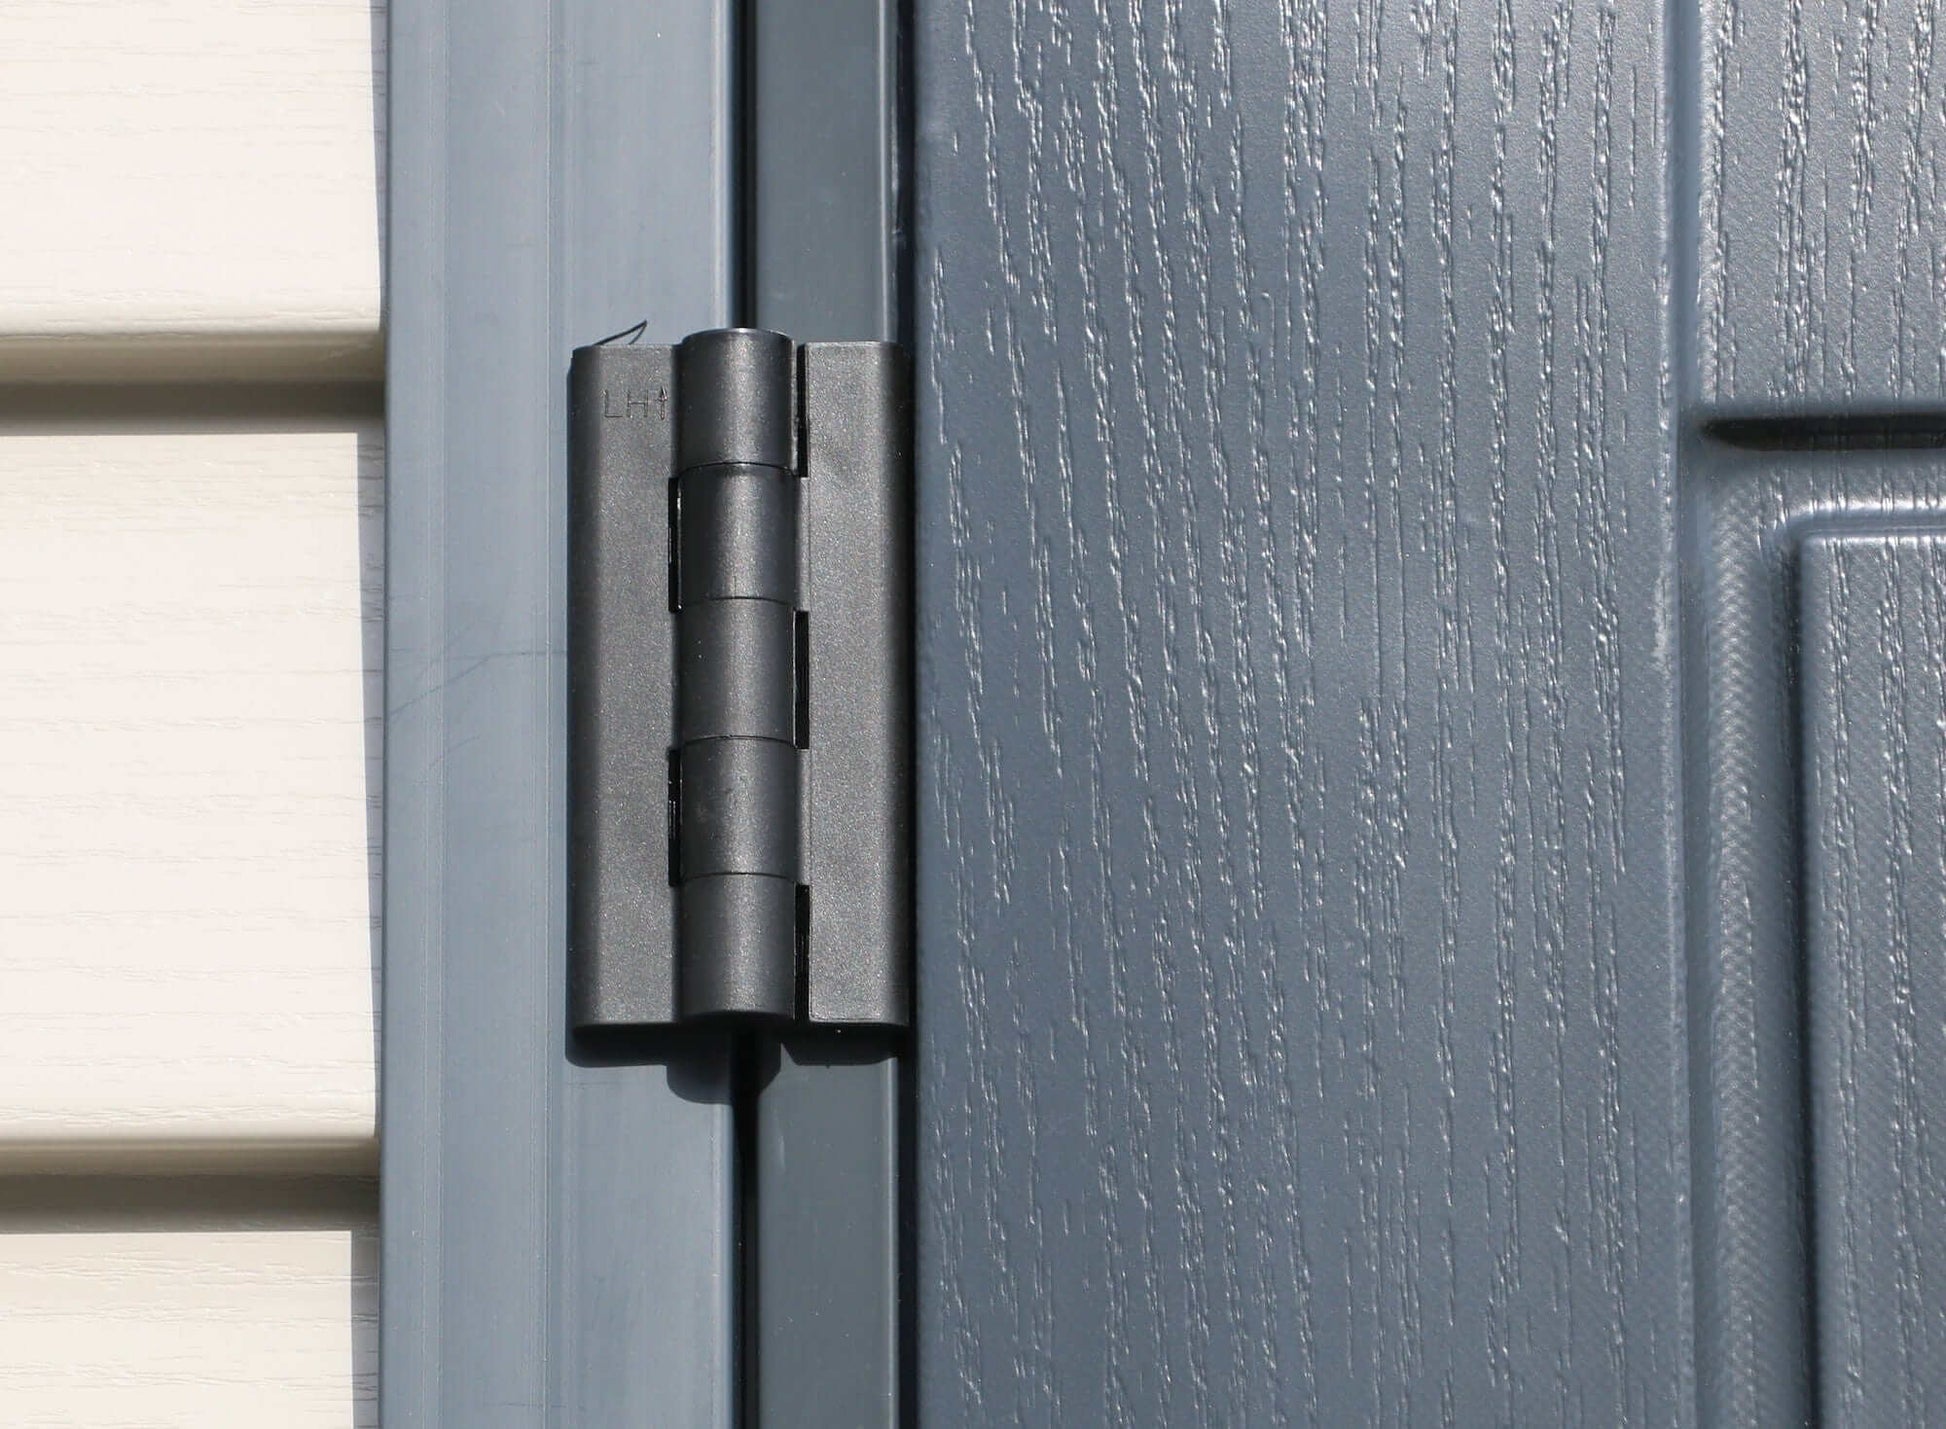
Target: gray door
[{"x": 1431, "y": 889}]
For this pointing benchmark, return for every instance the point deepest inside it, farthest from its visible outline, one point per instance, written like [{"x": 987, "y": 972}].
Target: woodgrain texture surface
[
  {"x": 1822, "y": 257},
  {"x": 1874, "y": 616},
  {"x": 189, "y": 702},
  {"x": 192, "y": 187},
  {"x": 1301, "y": 973},
  {"x": 188, "y": 1304}
]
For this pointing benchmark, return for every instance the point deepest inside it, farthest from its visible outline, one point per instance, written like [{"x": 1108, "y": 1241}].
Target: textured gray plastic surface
[
  {"x": 557, "y": 1245},
  {"x": 620, "y": 710},
  {"x": 741, "y": 538},
  {"x": 1360, "y": 820},
  {"x": 857, "y": 526},
  {"x": 1808, "y": 307},
  {"x": 1873, "y": 610},
  {"x": 736, "y": 398}
]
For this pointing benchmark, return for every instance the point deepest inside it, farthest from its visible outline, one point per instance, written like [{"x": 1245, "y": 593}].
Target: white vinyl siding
[
  {"x": 191, "y": 642},
  {"x": 179, "y": 1304},
  {"x": 192, "y": 188}
]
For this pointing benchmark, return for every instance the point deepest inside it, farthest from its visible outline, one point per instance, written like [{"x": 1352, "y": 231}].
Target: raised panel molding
[
  {"x": 1763, "y": 499},
  {"x": 1873, "y": 610}
]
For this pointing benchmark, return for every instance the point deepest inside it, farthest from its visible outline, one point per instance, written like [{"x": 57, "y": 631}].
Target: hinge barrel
[{"x": 736, "y": 700}]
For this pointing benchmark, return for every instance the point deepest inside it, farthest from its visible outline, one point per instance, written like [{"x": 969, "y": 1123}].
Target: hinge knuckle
[
  {"x": 735, "y": 402},
  {"x": 734, "y": 677},
  {"x": 739, "y": 534},
  {"x": 747, "y": 752}
]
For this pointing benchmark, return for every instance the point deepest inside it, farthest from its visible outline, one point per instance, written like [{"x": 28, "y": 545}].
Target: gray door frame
[
  {"x": 556, "y": 1227},
  {"x": 561, "y": 1220}
]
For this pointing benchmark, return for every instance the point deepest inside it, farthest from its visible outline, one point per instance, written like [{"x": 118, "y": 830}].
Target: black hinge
[{"x": 739, "y": 682}]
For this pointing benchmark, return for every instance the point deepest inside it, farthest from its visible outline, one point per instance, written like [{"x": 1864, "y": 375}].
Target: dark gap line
[
  {"x": 675, "y": 816},
  {"x": 803, "y": 952},
  {"x": 803, "y": 691},
  {"x": 904, "y": 329},
  {"x": 747, "y": 1080},
  {"x": 1799, "y": 815},
  {"x": 93, "y": 1202},
  {"x": 750, "y": 1050},
  {"x": 743, "y": 164},
  {"x": 1832, "y": 432},
  {"x": 185, "y": 406},
  {"x": 675, "y": 544}
]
